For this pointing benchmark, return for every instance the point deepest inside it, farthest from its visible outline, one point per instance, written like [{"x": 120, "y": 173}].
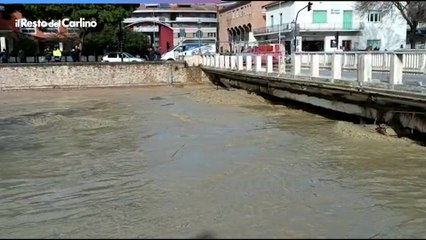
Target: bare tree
[{"x": 414, "y": 12}]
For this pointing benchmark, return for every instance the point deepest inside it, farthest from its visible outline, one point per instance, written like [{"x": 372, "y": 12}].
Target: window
[
  {"x": 211, "y": 35},
  {"x": 181, "y": 33},
  {"x": 281, "y": 19},
  {"x": 112, "y": 55},
  {"x": 374, "y": 44},
  {"x": 319, "y": 16},
  {"x": 374, "y": 16},
  {"x": 272, "y": 20},
  {"x": 198, "y": 34}
]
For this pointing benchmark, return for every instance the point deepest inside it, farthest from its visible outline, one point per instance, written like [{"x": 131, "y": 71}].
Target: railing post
[
  {"x": 208, "y": 60},
  {"x": 227, "y": 62},
  {"x": 296, "y": 64},
  {"x": 258, "y": 63},
  {"x": 249, "y": 63},
  {"x": 336, "y": 66},
  {"x": 423, "y": 63},
  {"x": 384, "y": 63},
  {"x": 344, "y": 57},
  {"x": 396, "y": 67},
  {"x": 356, "y": 60},
  {"x": 282, "y": 64},
  {"x": 222, "y": 61},
  {"x": 314, "y": 65},
  {"x": 233, "y": 62},
  {"x": 217, "y": 60},
  {"x": 240, "y": 62},
  {"x": 364, "y": 69},
  {"x": 269, "y": 64}
]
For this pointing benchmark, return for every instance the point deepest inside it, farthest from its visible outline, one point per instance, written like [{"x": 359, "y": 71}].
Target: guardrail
[
  {"x": 412, "y": 61},
  {"x": 268, "y": 64}
]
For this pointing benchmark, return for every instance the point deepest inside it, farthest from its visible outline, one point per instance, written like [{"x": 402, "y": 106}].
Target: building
[
  {"x": 236, "y": 23},
  {"x": 189, "y": 21},
  {"x": 332, "y": 25}
]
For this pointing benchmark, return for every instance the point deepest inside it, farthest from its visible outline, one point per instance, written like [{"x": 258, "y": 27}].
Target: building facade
[
  {"x": 188, "y": 21},
  {"x": 236, "y": 24},
  {"x": 332, "y": 25}
]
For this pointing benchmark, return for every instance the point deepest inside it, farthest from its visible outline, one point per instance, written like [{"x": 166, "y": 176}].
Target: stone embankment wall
[{"x": 82, "y": 75}]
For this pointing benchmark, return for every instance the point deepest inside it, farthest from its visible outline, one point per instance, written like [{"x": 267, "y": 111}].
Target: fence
[
  {"x": 41, "y": 59},
  {"x": 362, "y": 62},
  {"x": 414, "y": 62}
]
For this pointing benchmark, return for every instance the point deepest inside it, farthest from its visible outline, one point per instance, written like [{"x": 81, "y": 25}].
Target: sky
[{"x": 104, "y": 1}]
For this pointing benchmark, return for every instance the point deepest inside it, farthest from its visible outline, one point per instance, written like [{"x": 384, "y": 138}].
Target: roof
[
  {"x": 177, "y": 7},
  {"x": 273, "y": 4},
  {"x": 148, "y": 21},
  {"x": 234, "y": 5}
]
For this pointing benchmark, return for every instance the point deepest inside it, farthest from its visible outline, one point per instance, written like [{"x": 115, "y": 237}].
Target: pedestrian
[
  {"x": 77, "y": 53},
  {"x": 22, "y": 57},
  {"x": 57, "y": 54},
  {"x": 73, "y": 55},
  {"x": 151, "y": 54},
  {"x": 4, "y": 56},
  {"x": 47, "y": 54}
]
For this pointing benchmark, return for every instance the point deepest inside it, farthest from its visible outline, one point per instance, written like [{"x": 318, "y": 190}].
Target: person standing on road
[
  {"x": 21, "y": 55},
  {"x": 57, "y": 54},
  {"x": 77, "y": 53},
  {"x": 47, "y": 54},
  {"x": 4, "y": 56}
]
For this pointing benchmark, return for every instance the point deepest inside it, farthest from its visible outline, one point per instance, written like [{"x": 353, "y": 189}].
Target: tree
[
  {"x": 103, "y": 14},
  {"x": 414, "y": 12},
  {"x": 134, "y": 42},
  {"x": 7, "y": 10}
]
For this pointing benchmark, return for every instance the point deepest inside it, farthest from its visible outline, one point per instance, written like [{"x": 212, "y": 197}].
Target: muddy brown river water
[{"x": 183, "y": 162}]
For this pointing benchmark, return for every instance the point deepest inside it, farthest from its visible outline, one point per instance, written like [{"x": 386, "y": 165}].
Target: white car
[{"x": 116, "y": 57}]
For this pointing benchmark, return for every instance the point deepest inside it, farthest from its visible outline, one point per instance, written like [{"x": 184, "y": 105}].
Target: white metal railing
[
  {"x": 412, "y": 61},
  {"x": 363, "y": 62}
]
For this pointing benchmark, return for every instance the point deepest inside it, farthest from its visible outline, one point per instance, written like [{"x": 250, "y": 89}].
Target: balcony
[
  {"x": 196, "y": 19},
  {"x": 311, "y": 27},
  {"x": 148, "y": 29}
]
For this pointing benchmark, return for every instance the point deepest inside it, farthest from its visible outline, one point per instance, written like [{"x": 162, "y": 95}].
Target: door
[
  {"x": 347, "y": 45},
  {"x": 347, "y": 19}
]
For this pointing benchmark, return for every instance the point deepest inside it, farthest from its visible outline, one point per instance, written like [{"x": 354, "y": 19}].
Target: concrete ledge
[
  {"x": 376, "y": 104},
  {"x": 79, "y": 75}
]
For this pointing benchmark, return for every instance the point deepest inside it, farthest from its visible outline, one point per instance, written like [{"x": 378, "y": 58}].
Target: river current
[{"x": 195, "y": 161}]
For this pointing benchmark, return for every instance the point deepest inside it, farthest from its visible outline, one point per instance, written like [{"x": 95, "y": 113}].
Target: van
[{"x": 188, "y": 49}]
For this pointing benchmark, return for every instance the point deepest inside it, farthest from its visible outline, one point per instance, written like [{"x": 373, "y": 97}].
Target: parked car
[{"x": 116, "y": 57}]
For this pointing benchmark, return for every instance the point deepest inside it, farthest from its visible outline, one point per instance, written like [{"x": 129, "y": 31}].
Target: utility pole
[
  {"x": 279, "y": 27},
  {"x": 199, "y": 35}
]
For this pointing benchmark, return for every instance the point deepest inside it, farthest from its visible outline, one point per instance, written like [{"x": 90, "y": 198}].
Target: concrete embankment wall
[
  {"x": 405, "y": 111},
  {"x": 81, "y": 75}
]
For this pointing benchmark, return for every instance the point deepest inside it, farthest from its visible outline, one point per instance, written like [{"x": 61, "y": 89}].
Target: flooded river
[{"x": 183, "y": 162}]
